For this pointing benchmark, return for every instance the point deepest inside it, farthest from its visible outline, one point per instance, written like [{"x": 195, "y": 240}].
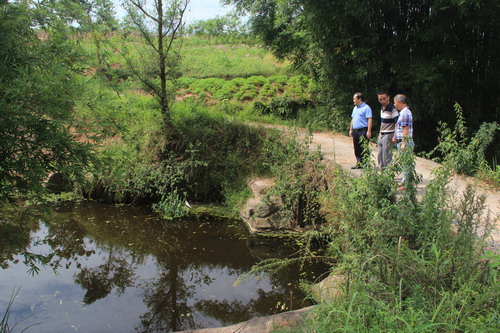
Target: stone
[
  {"x": 263, "y": 324},
  {"x": 55, "y": 182},
  {"x": 260, "y": 214},
  {"x": 329, "y": 289}
]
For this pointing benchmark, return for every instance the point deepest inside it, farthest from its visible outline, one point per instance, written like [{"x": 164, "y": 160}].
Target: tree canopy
[
  {"x": 437, "y": 52},
  {"x": 37, "y": 92}
]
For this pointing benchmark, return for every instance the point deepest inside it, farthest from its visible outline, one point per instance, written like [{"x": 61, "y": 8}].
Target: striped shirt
[
  {"x": 405, "y": 119},
  {"x": 388, "y": 119}
]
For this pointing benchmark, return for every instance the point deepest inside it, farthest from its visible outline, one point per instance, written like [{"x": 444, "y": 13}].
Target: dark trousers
[{"x": 357, "y": 134}]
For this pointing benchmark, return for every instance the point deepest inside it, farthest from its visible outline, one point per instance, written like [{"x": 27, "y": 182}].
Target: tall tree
[
  {"x": 37, "y": 92},
  {"x": 437, "y": 52},
  {"x": 160, "y": 23}
]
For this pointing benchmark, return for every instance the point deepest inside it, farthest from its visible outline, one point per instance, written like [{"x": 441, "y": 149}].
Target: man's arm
[
  {"x": 406, "y": 132},
  {"x": 369, "y": 132},
  {"x": 350, "y": 128}
]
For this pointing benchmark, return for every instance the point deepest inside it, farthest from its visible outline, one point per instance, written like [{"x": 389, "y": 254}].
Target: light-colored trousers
[
  {"x": 407, "y": 168},
  {"x": 385, "y": 146}
]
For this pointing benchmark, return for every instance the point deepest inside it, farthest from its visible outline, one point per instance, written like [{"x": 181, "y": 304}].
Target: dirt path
[{"x": 339, "y": 148}]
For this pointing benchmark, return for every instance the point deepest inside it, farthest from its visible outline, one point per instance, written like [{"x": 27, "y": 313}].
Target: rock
[
  {"x": 262, "y": 324},
  {"x": 329, "y": 289},
  {"x": 260, "y": 214},
  {"x": 55, "y": 182}
]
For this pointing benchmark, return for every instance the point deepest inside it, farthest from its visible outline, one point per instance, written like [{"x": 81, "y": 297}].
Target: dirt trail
[{"x": 339, "y": 148}]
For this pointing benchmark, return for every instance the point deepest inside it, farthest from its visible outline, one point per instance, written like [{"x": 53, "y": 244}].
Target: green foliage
[
  {"x": 228, "y": 150},
  {"x": 408, "y": 267},
  {"x": 283, "y": 106},
  {"x": 267, "y": 91},
  {"x": 229, "y": 89},
  {"x": 227, "y": 28},
  {"x": 185, "y": 82},
  {"x": 211, "y": 85},
  {"x": 463, "y": 154},
  {"x": 411, "y": 265},
  {"x": 297, "y": 87},
  {"x": 38, "y": 88},
  {"x": 337, "y": 43},
  {"x": 206, "y": 58},
  {"x": 299, "y": 179},
  {"x": 489, "y": 175},
  {"x": 171, "y": 206},
  {"x": 247, "y": 92},
  {"x": 208, "y": 158}
]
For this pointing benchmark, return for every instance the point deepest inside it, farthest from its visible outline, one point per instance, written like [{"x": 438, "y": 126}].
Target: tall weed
[{"x": 463, "y": 154}]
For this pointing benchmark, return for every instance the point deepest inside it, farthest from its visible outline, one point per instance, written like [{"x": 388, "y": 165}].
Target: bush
[
  {"x": 211, "y": 85},
  {"x": 247, "y": 92},
  {"x": 257, "y": 80},
  {"x": 300, "y": 178},
  {"x": 284, "y": 107},
  {"x": 229, "y": 89},
  {"x": 297, "y": 87},
  {"x": 409, "y": 264},
  {"x": 185, "y": 82},
  {"x": 464, "y": 155},
  {"x": 171, "y": 206},
  {"x": 267, "y": 91},
  {"x": 279, "y": 80}
]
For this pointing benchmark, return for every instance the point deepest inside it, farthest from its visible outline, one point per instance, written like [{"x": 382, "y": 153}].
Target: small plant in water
[{"x": 172, "y": 206}]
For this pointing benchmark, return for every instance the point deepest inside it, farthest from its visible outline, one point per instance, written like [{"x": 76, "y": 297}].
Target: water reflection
[{"x": 122, "y": 269}]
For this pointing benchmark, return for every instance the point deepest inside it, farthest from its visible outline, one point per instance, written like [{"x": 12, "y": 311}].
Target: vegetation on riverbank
[
  {"x": 81, "y": 110},
  {"x": 409, "y": 265}
]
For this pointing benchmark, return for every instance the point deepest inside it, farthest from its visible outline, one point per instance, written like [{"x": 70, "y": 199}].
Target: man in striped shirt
[{"x": 388, "y": 118}]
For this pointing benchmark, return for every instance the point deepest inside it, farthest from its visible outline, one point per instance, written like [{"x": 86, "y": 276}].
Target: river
[{"x": 125, "y": 269}]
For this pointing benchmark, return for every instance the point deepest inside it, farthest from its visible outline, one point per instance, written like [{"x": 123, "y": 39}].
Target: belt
[
  {"x": 387, "y": 133},
  {"x": 360, "y": 129},
  {"x": 399, "y": 140}
]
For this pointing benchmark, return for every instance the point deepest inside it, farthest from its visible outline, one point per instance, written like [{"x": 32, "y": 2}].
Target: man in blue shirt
[{"x": 361, "y": 127}]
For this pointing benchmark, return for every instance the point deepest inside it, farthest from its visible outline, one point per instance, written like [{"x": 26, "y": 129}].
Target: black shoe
[{"x": 357, "y": 166}]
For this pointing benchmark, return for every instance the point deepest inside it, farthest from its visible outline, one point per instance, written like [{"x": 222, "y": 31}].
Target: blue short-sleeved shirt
[{"x": 360, "y": 115}]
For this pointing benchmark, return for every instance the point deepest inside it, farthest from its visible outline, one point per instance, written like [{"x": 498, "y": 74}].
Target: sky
[
  {"x": 197, "y": 10},
  {"x": 205, "y": 9}
]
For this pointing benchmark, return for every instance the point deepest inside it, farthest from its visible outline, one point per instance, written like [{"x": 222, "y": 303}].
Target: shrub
[
  {"x": 299, "y": 179},
  {"x": 257, "y": 80},
  {"x": 409, "y": 264},
  {"x": 279, "y": 80},
  {"x": 229, "y": 88},
  {"x": 247, "y": 92},
  {"x": 211, "y": 85},
  {"x": 267, "y": 91},
  {"x": 284, "y": 107},
  {"x": 185, "y": 82},
  {"x": 171, "y": 205},
  {"x": 464, "y": 155}
]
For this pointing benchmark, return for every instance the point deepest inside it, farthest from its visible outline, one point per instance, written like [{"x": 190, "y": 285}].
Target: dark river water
[{"x": 124, "y": 269}]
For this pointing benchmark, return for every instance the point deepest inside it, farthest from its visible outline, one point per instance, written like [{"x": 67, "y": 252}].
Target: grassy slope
[{"x": 204, "y": 58}]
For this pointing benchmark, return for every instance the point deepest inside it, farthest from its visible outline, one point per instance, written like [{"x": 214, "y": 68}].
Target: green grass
[
  {"x": 201, "y": 58},
  {"x": 204, "y": 58}
]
